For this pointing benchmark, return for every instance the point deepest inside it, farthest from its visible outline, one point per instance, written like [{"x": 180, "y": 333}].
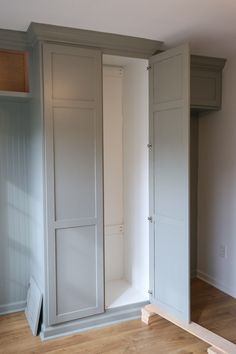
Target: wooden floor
[
  {"x": 214, "y": 310},
  {"x": 211, "y": 308},
  {"x": 131, "y": 337}
]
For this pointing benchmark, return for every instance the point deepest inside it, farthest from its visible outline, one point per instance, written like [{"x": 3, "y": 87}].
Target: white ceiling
[{"x": 209, "y": 25}]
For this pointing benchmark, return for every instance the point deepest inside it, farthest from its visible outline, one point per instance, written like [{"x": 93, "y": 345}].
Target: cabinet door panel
[
  {"x": 76, "y": 259},
  {"x": 205, "y": 89},
  {"x": 169, "y": 181},
  {"x": 68, "y": 73},
  {"x": 75, "y": 180},
  {"x": 74, "y": 188}
]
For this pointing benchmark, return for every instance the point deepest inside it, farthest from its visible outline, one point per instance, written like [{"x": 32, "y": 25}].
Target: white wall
[
  {"x": 14, "y": 206},
  {"x": 217, "y": 188},
  {"x": 136, "y": 236},
  {"x": 113, "y": 171}
]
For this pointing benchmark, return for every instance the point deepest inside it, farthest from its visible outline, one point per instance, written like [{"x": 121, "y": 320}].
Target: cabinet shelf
[{"x": 15, "y": 96}]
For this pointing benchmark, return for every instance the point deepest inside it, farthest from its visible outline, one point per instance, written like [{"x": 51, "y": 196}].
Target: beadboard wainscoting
[{"x": 14, "y": 203}]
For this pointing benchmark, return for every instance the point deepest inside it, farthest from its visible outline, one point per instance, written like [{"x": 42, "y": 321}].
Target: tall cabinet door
[
  {"x": 169, "y": 181},
  {"x": 74, "y": 187}
]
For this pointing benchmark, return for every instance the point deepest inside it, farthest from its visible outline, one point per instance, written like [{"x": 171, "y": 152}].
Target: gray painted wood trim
[
  {"x": 151, "y": 190},
  {"x": 210, "y": 70},
  {"x": 15, "y": 96},
  {"x": 37, "y": 120},
  {"x": 109, "y": 43},
  {"x": 207, "y": 63},
  {"x": 111, "y": 316},
  {"x": 16, "y": 40},
  {"x": 12, "y": 307}
]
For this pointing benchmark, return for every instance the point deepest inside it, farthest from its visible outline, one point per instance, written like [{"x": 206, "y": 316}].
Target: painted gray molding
[
  {"x": 109, "y": 43},
  {"x": 206, "y": 82},
  {"x": 12, "y": 307},
  {"x": 15, "y": 40},
  {"x": 207, "y": 63},
  {"x": 110, "y": 316}
]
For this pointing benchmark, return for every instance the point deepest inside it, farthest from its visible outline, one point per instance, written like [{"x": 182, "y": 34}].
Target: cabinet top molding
[
  {"x": 109, "y": 43},
  {"x": 207, "y": 63},
  {"x": 15, "y": 40}
]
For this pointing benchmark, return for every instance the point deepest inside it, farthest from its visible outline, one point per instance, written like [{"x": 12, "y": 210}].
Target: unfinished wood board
[
  {"x": 14, "y": 71},
  {"x": 149, "y": 317},
  {"x": 204, "y": 334},
  {"x": 213, "y": 350}
]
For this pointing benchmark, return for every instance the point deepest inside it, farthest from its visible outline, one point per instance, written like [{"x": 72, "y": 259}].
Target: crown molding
[
  {"x": 10, "y": 39},
  {"x": 207, "y": 63},
  {"x": 109, "y": 43}
]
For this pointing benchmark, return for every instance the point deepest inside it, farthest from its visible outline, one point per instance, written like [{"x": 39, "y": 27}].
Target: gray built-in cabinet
[
  {"x": 206, "y": 82},
  {"x": 67, "y": 190}
]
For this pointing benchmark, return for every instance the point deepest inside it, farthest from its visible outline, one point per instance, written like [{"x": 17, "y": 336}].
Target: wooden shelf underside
[{"x": 14, "y": 96}]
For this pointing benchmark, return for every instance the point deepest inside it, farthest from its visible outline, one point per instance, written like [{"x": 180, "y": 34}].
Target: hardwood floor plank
[
  {"x": 126, "y": 338},
  {"x": 213, "y": 309}
]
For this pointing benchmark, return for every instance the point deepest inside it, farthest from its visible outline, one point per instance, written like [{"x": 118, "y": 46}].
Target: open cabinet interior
[{"x": 125, "y": 138}]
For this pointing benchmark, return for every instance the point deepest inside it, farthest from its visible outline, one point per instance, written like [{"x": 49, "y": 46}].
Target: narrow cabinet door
[
  {"x": 73, "y": 176},
  {"x": 169, "y": 181}
]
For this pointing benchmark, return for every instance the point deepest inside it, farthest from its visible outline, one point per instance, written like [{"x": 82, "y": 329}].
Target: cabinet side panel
[{"x": 36, "y": 170}]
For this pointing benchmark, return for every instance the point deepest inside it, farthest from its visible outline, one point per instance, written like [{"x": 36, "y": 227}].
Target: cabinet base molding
[
  {"x": 109, "y": 317},
  {"x": 218, "y": 344}
]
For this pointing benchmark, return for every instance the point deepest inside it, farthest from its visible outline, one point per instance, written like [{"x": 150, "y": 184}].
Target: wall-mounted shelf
[
  {"x": 15, "y": 96},
  {"x": 14, "y": 70}
]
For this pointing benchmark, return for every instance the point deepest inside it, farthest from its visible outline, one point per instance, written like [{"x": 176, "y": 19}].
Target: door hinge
[
  {"x": 150, "y": 218},
  {"x": 149, "y": 146},
  {"x": 149, "y": 67},
  {"x": 150, "y": 292}
]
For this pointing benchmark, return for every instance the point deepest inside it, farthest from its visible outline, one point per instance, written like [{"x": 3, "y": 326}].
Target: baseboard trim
[
  {"x": 12, "y": 307},
  {"x": 111, "y": 316},
  {"x": 212, "y": 281}
]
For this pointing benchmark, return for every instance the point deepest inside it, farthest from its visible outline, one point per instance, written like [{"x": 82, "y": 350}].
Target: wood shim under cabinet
[{"x": 14, "y": 71}]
